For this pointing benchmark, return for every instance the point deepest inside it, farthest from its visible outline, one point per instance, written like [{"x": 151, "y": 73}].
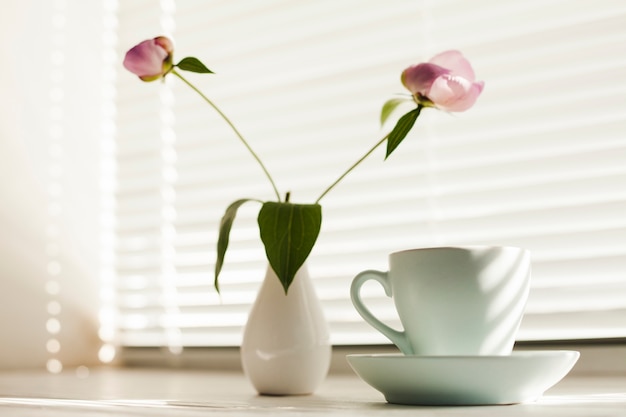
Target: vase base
[
  {"x": 285, "y": 392},
  {"x": 297, "y": 373}
]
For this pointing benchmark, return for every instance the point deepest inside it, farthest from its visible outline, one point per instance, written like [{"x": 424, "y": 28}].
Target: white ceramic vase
[{"x": 286, "y": 343}]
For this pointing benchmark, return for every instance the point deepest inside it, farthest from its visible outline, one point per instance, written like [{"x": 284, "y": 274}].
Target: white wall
[{"x": 34, "y": 241}]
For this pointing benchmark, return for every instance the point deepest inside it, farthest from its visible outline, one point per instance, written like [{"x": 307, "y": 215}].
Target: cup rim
[{"x": 459, "y": 247}]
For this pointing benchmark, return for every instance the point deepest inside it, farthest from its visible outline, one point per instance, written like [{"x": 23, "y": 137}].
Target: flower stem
[
  {"x": 338, "y": 180},
  {"x": 227, "y": 120}
]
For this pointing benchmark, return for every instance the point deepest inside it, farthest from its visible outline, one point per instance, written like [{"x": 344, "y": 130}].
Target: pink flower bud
[
  {"x": 447, "y": 82},
  {"x": 150, "y": 59}
]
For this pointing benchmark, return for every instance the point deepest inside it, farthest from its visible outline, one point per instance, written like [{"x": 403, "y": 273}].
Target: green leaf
[
  {"x": 401, "y": 129},
  {"x": 289, "y": 232},
  {"x": 194, "y": 65},
  {"x": 389, "y": 107},
  {"x": 224, "y": 235}
]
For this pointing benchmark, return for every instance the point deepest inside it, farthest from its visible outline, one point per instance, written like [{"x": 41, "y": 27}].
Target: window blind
[{"x": 539, "y": 162}]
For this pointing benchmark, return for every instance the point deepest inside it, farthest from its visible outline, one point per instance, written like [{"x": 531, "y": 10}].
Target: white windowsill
[
  {"x": 181, "y": 393},
  {"x": 205, "y": 382}
]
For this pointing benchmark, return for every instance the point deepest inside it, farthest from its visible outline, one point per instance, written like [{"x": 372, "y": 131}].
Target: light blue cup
[{"x": 452, "y": 301}]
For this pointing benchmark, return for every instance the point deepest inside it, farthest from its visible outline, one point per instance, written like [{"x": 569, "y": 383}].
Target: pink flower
[
  {"x": 151, "y": 59},
  {"x": 447, "y": 82}
]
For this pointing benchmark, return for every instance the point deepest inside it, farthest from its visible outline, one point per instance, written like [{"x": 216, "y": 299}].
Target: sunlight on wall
[
  {"x": 107, "y": 315},
  {"x": 56, "y": 135}
]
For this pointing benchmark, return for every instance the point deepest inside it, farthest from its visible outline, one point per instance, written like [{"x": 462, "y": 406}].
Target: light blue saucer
[{"x": 464, "y": 380}]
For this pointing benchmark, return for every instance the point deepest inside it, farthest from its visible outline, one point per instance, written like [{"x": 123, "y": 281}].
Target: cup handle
[{"x": 399, "y": 338}]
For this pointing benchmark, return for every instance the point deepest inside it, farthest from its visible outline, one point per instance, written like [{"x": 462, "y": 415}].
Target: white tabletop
[{"x": 181, "y": 393}]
